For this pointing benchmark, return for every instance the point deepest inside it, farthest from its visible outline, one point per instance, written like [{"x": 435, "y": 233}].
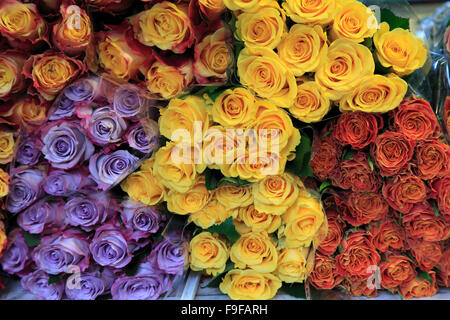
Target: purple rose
[
  {"x": 65, "y": 108},
  {"x": 144, "y": 138},
  {"x": 65, "y": 183},
  {"x": 142, "y": 220},
  {"x": 28, "y": 152},
  {"x": 84, "y": 286},
  {"x": 147, "y": 284},
  {"x": 66, "y": 145},
  {"x": 82, "y": 91},
  {"x": 109, "y": 169},
  {"x": 110, "y": 246},
  {"x": 88, "y": 212},
  {"x": 17, "y": 255},
  {"x": 127, "y": 102},
  {"x": 170, "y": 255},
  {"x": 37, "y": 284},
  {"x": 105, "y": 126},
  {"x": 42, "y": 216},
  {"x": 58, "y": 253},
  {"x": 25, "y": 188}
]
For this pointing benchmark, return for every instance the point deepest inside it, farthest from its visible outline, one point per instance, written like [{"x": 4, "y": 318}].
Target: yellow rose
[
  {"x": 144, "y": 187},
  {"x": 354, "y": 22},
  {"x": 20, "y": 21},
  {"x": 220, "y": 146},
  {"x": 184, "y": 115},
  {"x": 166, "y": 26},
  {"x": 399, "y": 49},
  {"x": 292, "y": 265},
  {"x": 6, "y": 147},
  {"x": 11, "y": 77},
  {"x": 167, "y": 81},
  {"x": 233, "y": 196},
  {"x": 311, "y": 12},
  {"x": 311, "y": 103},
  {"x": 234, "y": 108},
  {"x": 275, "y": 194},
  {"x": 195, "y": 199},
  {"x": 4, "y": 183},
  {"x": 213, "y": 213},
  {"x": 261, "y": 70},
  {"x": 248, "y": 5},
  {"x": 346, "y": 64},
  {"x": 376, "y": 93},
  {"x": 255, "y": 250},
  {"x": 249, "y": 219},
  {"x": 262, "y": 28},
  {"x": 213, "y": 57},
  {"x": 208, "y": 252},
  {"x": 26, "y": 110},
  {"x": 250, "y": 285},
  {"x": 303, "y": 49},
  {"x": 212, "y": 9}
]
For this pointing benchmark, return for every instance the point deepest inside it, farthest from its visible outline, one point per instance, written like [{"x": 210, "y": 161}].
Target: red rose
[
  {"x": 416, "y": 120},
  {"x": 421, "y": 223},
  {"x": 443, "y": 273},
  {"x": 359, "y": 287},
  {"x": 334, "y": 234},
  {"x": 325, "y": 274},
  {"x": 396, "y": 270},
  {"x": 419, "y": 287},
  {"x": 357, "y": 257},
  {"x": 440, "y": 190},
  {"x": 325, "y": 160},
  {"x": 433, "y": 159},
  {"x": 426, "y": 253},
  {"x": 361, "y": 208},
  {"x": 356, "y": 174},
  {"x": 388, "y": 235},
  {"x": 403, "y": 191},
  {"x": 357, "y": 129}
]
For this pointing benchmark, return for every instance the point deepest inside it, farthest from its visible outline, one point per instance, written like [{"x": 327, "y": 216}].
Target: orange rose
[
  {"x": 358, "y": 288},
  {"x": 403, "y": 191},
  {"x": 426, "y": 253},
  {"x": 325, "y": 274},
  {"x": 443, "y": 273},
  {"x": 334, "y": 235},
  {"x": 11, "y": 78},
  {"x": 421, "y": 223},
  {"x": 388, "y": 235},
  {"x": 357, "y": 129},
  {"x": 419, "y": 288},
  {"x": 27, "y": 110},
  {"x": 361, "y": 208},
  {"x": 326, "y": 158},
  {"x": 396, "y": 270},
  {"x": 433, "y": 159},
  {"x": 440, "y": 190}
]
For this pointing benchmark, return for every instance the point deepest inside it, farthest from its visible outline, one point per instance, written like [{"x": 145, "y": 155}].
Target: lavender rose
[
  {"x": 170, "y": 255},
  {"x": 82, "y": 91},
  {"x": 25, "y": 188},
  {"x": 110, "y": 246},
  {"x": 109, "y": 169},
  {"x": 37, "y": 284},
  {"x": 147, "y": 284},
  {"x": 106, "y": 126},
  {"x": 127, "y": 102},
  {"x": 58, "y": 253},
  {"x": 87, "y": 212},
  {"x": 28, "y": 152},
  {"x": 65, "y": 183},
  {"x": 144, "y": 139},
  {"x": 66, "y": 145},
  {"x": 17, "y": 255},
  {"x": 84, "y": 286},
  {"x": 142, "y": 220},
  {"x": 42, "y": 216},
  {"x": 65, "y": 108}
]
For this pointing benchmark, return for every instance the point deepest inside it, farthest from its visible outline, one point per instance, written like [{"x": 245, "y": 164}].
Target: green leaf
[
  {"x": 400, "y": 219},
  {"x": 348, "y": 154},
  {"x": 300, "y": 165},
  {"x": 426, "y": 276},
  {"x": 368, "y": 42},
  {"x": 296, "y": 290},
  {"x": 324, "y": 185},
  {"x": 212, "y": 178},
  {"x": 369, "y": 159},
  {"x": 236, "y": 181},
  {"x": 232, "y": 23},
  {"x": 227, "y": 229},
  {"x": 435, "y": 208},
  {"x": 54, "y": 278},
  {"x": 326, "y": 133},
  {"x": 216, "y": 280},
  {"x": 207, "y": 89},
  {"x": 32, "y": 240},
  {"x": 393, "y": 20}
]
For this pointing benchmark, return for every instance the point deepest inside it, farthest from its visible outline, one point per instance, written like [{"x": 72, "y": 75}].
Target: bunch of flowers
[{"x": 388, "y": 215}]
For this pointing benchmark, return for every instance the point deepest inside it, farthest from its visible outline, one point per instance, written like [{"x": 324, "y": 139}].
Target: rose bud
[
  {"x": 357, "y": 255},
  {"x": 325, "y": 157},
  {"x": 388, "y": 235},
  {"x": 119, "y": 55},
  {"x": 26, "y": 111},
  {"x": 334, "y": 234},
  {"x": 325, "y": 274},
  {"x": 440, "y": 190},
  {"x": 426, "y": 253},
  {"x": 151, "y": 283},
  {"x": 25, "y": 188},
  {"x": 21, "y": 24},
  {"x": 419, "y": 288},
  {"x": 144, "y": 137},
  {"x": 29, "y": 151},
  {"x": 72, "y": 34},
  {"x": 65, "y": 108},
  {"x": 357, "y": 129},
  {"x": 171, "y": 254},
  {"x": 110, "y": 6},
  {"x": 392, "y": 151},
  {"x": 110, "y": 246},
  {"x": 51, "y": 72},
  {"x": 88, "y": 212},
  {"x": 42, "y": 217},
  {"x": 65, "y": 145},
  {"x": 432, "y": 159},
  {"x": 421, "y": 223},
  {"x": 127, "y": 103},
  {"x": 16, "y": 257},
  {"x": 142, "y": 220},
  {"x": 60, "y": 252},
  {"x": 396, "y": 270},
  {"x": 403, "y": 191},
  {"x": 361, "y": 208},
  {"x": 416, "y": 120},
  {"x": 357, "y": 288},
  {"x": 11, "y": 79},
  {"x": 109, "y": 169},
  {"x": 213, "y": 57},
  {"x": 65, "y": 183},
  {"x": 166, "y": 26},
  {"x": 38, "y": 284}
]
